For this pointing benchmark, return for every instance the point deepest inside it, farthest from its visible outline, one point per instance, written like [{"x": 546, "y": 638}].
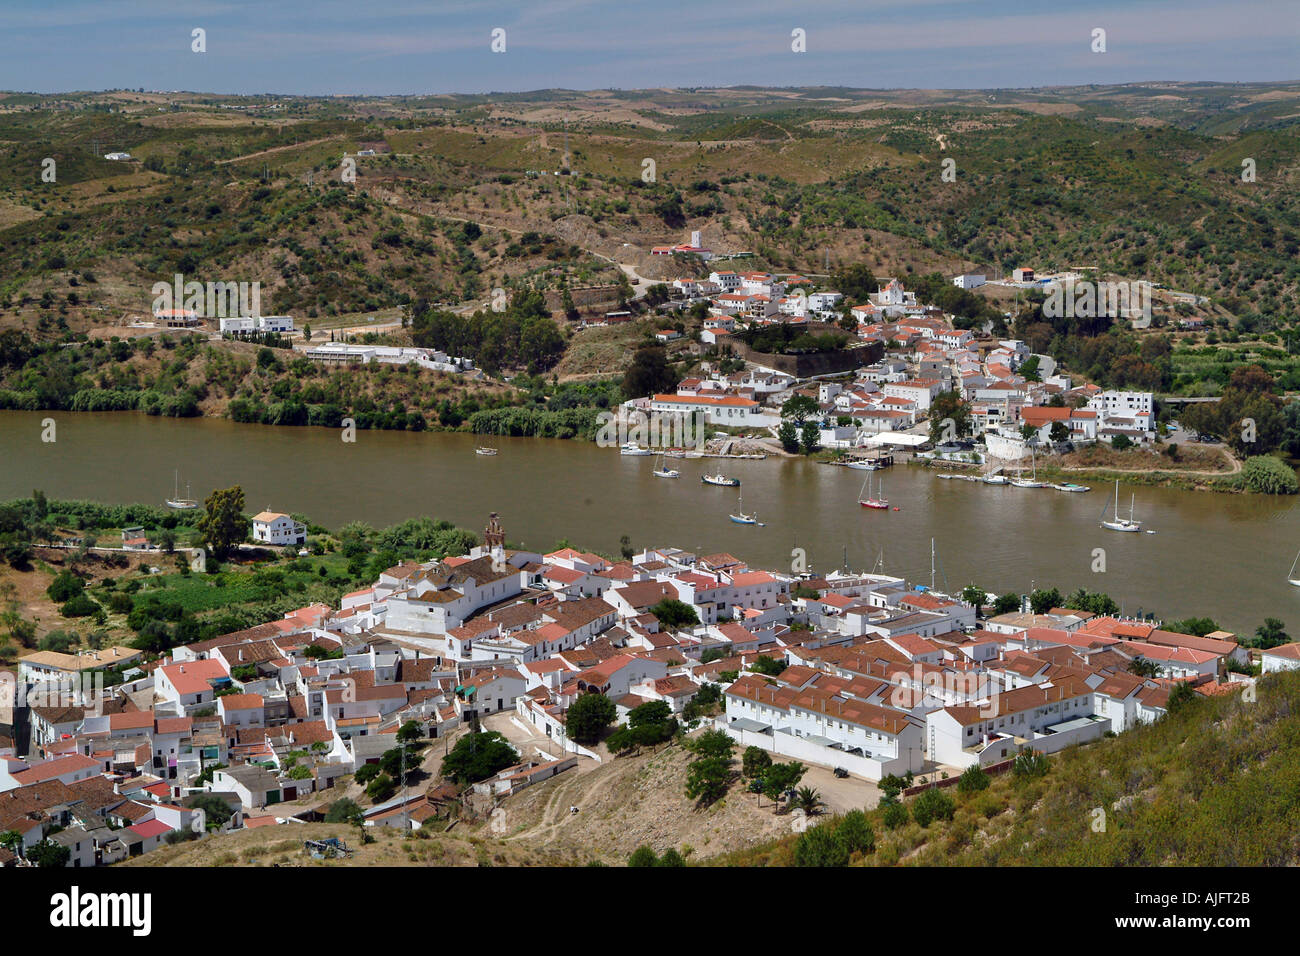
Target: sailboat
[
  {"x": 1291, "y": 578},
  {"x": 663, "y": 471},
  {"x": 1021, "y": 482},
  {"x": 485, "y": 450},
  {"x": 740, "y": 517},
  {"x": 878, "y": 502},
  {"x": 863, "y": 464},
  {"x": 176, "y": 502},
  {"x": 1121, "y": 524}
]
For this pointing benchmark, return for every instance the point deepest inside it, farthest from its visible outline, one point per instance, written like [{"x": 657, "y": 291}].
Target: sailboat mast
[{"x": 932, "y": 564}]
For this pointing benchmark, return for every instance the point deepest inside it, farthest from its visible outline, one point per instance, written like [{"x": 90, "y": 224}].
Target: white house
[
  {"x": 271, "y": 527},
  {"x": 1285, "y": 657},
  {"x": 968, "y": 280}
]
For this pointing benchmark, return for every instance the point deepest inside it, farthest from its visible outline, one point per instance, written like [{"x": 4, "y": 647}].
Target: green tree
[
  {"x": 810, "y": 437},
  {"x": 781, "y": 778},
  {"x": 381, "y": 788},
  {"x": 1141, "y": 667},
  {"x": 344, "y": 811},
  {"x": 408, "y": 733},
  {"x": 1271, "y": 633},
  {"x": 223, "y": 525},
  {"x": 1059, "y": 432},
  {"x": 588, "y": 716},
  {"x": 478, "y": 756},
  {"x": 788, "y": 434},
  {"x": 974, "y": 596},
  {"x": 1198, "y": 626},
  {"x": 950, "y": 417},
  {"x": 1043, "y": 600},
  {"x": 714, "y": 744},
  {"x": 808, "y": 800},
  {"x": 856, "y": 282},
  {"x": 769, "y": 666},
  {"x": 672, "y": 613},
  {"x": 1006, "y": 604},
  {"x": 754, "y": 762},
  {"x": 799, "y": 407},
  {"x": 649, "y": 374},
  {"x": 48, "y": 854},
  {"x": 707, "y": 778}
]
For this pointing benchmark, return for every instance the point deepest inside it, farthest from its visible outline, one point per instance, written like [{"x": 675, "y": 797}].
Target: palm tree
[{"x": 808, "y": 800}]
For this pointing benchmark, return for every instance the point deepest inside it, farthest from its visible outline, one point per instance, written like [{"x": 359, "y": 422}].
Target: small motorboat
[
  {"x": 721, "y": 480},
  {"x": 633, "y": 449},
  {"x": 1071, "y": 487},
  {"x": 484, "y": 450}
]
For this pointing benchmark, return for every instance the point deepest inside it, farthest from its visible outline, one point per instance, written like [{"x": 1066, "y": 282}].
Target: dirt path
[{"x": 277, "y": 149}]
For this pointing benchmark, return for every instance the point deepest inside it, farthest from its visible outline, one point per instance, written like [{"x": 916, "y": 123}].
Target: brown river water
[{"x": 1222, "y": 556}]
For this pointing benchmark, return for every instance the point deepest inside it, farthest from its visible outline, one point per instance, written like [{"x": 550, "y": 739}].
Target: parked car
[{"x": 841, "y": 772}]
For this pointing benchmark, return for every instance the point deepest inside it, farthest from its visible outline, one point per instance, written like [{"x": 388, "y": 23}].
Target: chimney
[
  {"x": 241, "y": 655},
  {"x": 182, "y": 668},
  {"x": 115, "y": 652}
]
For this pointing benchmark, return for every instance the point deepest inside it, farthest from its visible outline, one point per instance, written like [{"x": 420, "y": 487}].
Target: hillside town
[
  {"x": 864, "y": 673},
  {"x": 1015, "y": 398}
]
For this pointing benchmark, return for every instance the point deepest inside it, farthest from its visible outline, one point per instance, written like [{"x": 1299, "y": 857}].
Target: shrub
[
  {"x": 855, "y": 832},
  {"x": 933, "y": 805},
  {"x": 65, "y": 587},
  {"x": 973, "y": 779},
  {"x": 819, "y": 846},
  {"x": 79, "y": 606},
  {"x": 643, "y": 856},
  {"x": 896, "y": 816},
  {"x": 1029, "y": 764},
  {"x": 1266, "y": 475}
]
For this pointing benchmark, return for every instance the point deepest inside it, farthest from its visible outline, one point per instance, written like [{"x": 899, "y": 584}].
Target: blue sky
[{"x": 441, "y": 46}]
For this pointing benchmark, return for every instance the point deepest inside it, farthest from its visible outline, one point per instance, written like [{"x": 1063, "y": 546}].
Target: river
[{"x": 1222, "y": 556}]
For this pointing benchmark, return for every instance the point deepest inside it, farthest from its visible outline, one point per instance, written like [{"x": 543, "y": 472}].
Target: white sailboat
[
  {"x": 1291, "y": 578},
  {"x": 740, "y": 517},
  {"x": 663, "y": 471},
  {"x": 176, "y": 502},
  {"x": 1122, "y": 524},
  {"x": 1021, "y": 482}
]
